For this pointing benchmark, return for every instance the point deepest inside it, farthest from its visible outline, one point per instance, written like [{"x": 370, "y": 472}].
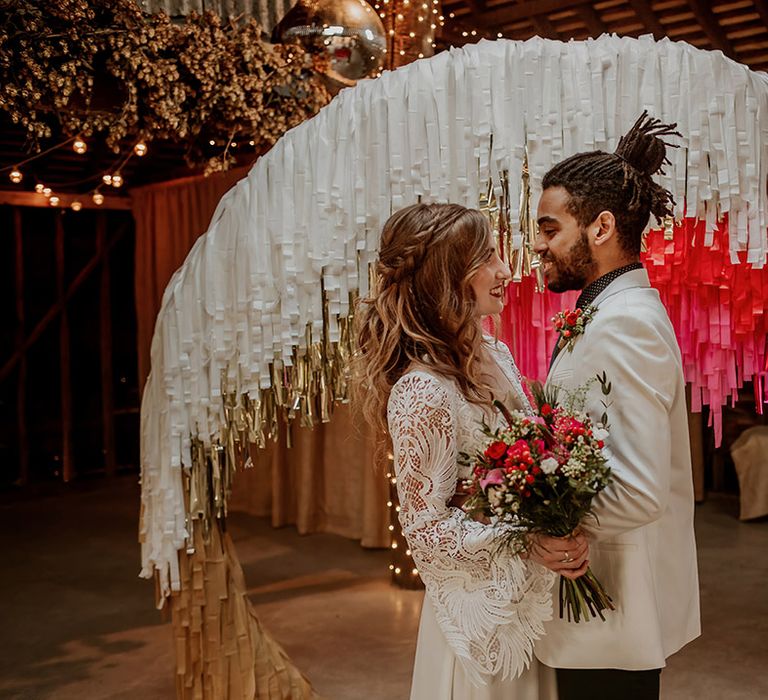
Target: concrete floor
[{"x": 77, "y": 624}]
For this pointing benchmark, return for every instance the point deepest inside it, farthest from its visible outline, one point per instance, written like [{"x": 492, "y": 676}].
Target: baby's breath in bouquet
[{"x": 540, "y": 474}]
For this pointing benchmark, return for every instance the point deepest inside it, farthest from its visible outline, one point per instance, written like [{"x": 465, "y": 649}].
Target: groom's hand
[{"x": 567, "y": 556}]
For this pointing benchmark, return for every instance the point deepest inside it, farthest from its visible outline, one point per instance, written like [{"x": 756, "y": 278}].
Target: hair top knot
[
  {"x": 642, "y": 147},
  {"x": 620, "y": 182}
]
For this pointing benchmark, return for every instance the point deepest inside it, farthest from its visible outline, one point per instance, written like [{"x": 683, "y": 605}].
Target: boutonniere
[{"x": 571, "y": 324}]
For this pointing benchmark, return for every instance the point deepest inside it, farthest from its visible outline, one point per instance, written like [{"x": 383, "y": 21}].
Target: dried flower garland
[{"x": 88, "y": 66}]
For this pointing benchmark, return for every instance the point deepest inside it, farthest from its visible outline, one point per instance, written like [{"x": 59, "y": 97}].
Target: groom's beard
[{"x": 572, "y": 271}]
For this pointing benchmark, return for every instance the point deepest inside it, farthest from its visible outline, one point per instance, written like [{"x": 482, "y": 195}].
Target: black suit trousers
[{"x": 607, "y": 684}]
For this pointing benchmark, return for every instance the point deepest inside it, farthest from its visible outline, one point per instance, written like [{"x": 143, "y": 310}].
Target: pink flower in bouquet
[{"x": 493, "y": 478}]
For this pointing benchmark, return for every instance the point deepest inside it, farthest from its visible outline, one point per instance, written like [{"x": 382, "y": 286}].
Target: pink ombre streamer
[{"x": 719, "y": 311}]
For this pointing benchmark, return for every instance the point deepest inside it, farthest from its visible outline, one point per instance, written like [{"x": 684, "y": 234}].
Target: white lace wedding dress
[{"x": 482, "y": 609}]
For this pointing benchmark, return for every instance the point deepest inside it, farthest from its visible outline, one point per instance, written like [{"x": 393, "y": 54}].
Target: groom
[{"x": 591, "y": 215}]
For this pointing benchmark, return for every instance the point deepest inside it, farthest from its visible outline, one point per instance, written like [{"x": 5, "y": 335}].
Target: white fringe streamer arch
[{"x": 306, "y": 219}]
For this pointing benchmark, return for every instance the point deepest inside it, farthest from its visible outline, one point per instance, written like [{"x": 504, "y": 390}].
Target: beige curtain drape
[
  {"x": 169, "y": 218},
  {"x": 326, "y": 482}
]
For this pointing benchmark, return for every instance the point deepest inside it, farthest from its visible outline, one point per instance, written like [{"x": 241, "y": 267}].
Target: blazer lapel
[{"x": 629, "y": 280}]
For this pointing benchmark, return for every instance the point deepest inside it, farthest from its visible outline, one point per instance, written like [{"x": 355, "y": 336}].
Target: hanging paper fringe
[
  {"x": 719, "y": 309},
  {"x": 258, "y": 310},
  {"x": 222, "y": 651}
]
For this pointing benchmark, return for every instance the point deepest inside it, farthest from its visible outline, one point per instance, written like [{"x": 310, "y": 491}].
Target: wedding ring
[{"x": 566, "y": 559}]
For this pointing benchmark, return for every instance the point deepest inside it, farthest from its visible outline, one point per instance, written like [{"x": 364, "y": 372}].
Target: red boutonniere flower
[{"x": 571, "y": 324}]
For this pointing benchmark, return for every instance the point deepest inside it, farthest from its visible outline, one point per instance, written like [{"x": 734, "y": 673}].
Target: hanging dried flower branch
[{"x": 103, "y": 66}]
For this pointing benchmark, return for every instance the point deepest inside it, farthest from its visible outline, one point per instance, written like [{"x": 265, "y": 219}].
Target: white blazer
[{"x": 643, "y": 548}]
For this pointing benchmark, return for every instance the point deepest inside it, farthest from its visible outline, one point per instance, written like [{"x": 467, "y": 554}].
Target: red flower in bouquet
[
  {"x": 496, "y": 450},
  {"x": 571, "y": 323},
  {"x": 540, "y": 474}
]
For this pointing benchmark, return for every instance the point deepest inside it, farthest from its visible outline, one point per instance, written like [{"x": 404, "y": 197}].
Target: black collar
[{"x": 593, "y": 290}]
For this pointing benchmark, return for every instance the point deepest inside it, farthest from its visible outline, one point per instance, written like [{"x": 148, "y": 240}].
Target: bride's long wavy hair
[{"x": 422, "y": 307}]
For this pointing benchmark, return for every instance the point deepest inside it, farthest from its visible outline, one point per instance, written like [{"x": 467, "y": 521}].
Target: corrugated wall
[{"x": 267, "y": 12}]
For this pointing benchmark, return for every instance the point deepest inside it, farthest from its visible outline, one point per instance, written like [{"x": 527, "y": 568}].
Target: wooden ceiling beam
[
  {"x": 32, "y": 199},
  {"x": 544, "y": 27},
  {"x": 706, "y": 18},
  {"x": 595, "y": 25},
  {"x": 476, "y": 7},
  {"x": 526, "y": 10},
  {"x": 645, "y": 14},
  {"x": 762, "y": 9},
  {"x": 451, "y": 34}
]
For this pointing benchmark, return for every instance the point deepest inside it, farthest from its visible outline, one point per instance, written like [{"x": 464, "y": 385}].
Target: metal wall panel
[{"x": 267, "y": 12}]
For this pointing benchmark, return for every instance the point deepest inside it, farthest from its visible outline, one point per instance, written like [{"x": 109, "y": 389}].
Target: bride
[{"x": 428, "y": 375}]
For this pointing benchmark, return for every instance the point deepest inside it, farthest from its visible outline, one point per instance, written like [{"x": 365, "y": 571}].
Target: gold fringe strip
[
  {"x": 304, "y": 389},
  {"x": 222, "y": 651}
]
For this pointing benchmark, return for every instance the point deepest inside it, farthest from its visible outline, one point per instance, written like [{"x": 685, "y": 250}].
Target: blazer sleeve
[{"x": 636, "y": 352}]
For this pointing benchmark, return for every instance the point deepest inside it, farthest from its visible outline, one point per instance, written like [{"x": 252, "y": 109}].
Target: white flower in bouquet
[{"x": 549, "y": 465}]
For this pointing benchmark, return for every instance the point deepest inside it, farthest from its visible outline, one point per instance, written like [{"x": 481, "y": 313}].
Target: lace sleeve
[{"x": 489, "y": 605}]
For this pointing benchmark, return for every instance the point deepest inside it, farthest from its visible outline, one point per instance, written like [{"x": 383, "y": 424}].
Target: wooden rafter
[
  {"x": 21, "y": 382},
  {"x": 716, "y": 34},
  {"x": 762, "y": 9},
  {"x": 58, "y": 305},
  {"x": 452, "y": 34},
  {"x": 544, "y": 27},
  {"x": 645, "y": 14},
  {"x": 105, "y": 348},
  {"x": 477, "y": 7},
  {"x": 707, "y": 30},
  {"x": 595, "y": 25},
  {"x": 65, "y": 365},
  {"x": 32, "y": 199},
  {"x": 526, "y": 10}
]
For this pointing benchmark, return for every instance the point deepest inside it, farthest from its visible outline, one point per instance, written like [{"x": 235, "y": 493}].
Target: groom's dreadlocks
[{"x": 620, "y": 182}]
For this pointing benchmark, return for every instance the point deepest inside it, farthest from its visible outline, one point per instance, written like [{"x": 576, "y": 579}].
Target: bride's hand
[{"x": 567, "y": 556}]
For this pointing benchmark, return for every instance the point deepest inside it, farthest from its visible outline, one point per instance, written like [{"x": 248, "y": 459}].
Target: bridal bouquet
[{"x": 540, "y": 474}]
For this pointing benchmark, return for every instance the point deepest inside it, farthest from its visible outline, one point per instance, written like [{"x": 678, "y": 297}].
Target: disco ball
[{"x": 349, "y": 31}]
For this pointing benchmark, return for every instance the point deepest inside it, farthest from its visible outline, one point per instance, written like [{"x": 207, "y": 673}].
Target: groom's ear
[{"x": 603, "y": 228}]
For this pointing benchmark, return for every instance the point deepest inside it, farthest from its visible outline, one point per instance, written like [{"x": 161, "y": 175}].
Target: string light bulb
[
  {"x": 140, "y": 149},
  {"x": 76, "y": 205},
  {"x": 47, "y": 191},
  {"x": 117, "y": 180},
  {"x": 53, "y": 201},
  {"x": 79, "y": 146},
  {"x": 15, "y": 176},
  {"x": 107, "y": 178},
  {"x": 39, "y": 187},
  {"x": 402, "y": 568},
  {"x": 98, "y": 198}
]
